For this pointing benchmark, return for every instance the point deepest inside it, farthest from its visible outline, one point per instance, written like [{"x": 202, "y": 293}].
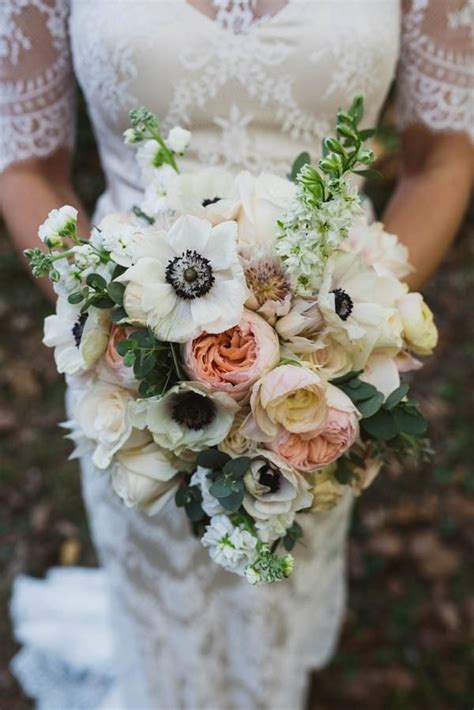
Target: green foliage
[
  {"x": 190, "y": 498},
  {"x": 155, "y": 363},
  {"x": 293, "y": 535},
  {"x": 146, "y": 126},
  {"x": 301, "y": 160}
]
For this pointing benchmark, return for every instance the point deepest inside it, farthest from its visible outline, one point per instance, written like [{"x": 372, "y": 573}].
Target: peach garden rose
[
  {"x": 309, "y": 451},
  {"x": 234, "y": 360}
]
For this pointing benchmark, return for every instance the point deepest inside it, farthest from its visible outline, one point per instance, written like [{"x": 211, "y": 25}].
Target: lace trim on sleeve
[
  {"x": 36, "y": 80},
  {"x": 435, "y": 78}
]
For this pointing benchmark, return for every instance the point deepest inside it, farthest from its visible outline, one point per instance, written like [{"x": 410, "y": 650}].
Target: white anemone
[
  {"x": 358, "y": 307},
  {"x": 78, "y": 339},
  {"x": 191, "y": 282},
  {"x": 210, "y": 194},
  {"x": 188, "y": 417}
]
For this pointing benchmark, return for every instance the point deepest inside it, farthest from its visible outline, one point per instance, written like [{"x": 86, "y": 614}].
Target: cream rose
[
  {"x": 263, "y": 199},
  {"x": 289, "y": 397},
  {"x": 144, "y": 476},
  {"x": 325, "y": 356},
  {"x": 310, "y": 451},
  {"x": 419, "y": 329},
  {"x": 103, "y": 415},
  {"x": 235, "y": 443},
  {"x": 232, "y": 361}
]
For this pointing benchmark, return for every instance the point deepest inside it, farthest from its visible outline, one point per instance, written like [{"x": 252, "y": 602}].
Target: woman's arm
[
  {"x": 428, "y": 205},
  {"x": 28, "y": 191}
]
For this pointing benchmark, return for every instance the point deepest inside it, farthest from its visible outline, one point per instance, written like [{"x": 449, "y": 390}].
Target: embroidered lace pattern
[
  {"x": 36, "y": 83},
  {"x": 436, "y": 76}
]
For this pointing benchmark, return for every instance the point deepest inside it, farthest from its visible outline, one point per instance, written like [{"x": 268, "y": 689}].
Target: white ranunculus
[
  {"x": 193, "y": 282},
  {"x": 189, "y": 416},
  {"x": 209, "y": 194},
  {"x": 59, "y": 223},
  {"x": 79, "y": 339},
  {"x": 382, "y": 250},
  {"x": 264, "y": 199},
  {"x": 103, "y": 415},
  {"x": 359, "y": 307},
  {"x": 178, "y": 139},
  {"x": 144, "y": 476},
  {"x": 230, "y": 546},
  {"x": 272, "y": 487},
  {"x": 121, "y": 238},
  {"x": 209, "y": 504}
]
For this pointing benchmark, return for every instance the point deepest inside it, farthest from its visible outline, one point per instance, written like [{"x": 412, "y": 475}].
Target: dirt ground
[{"x": 407, "y": 642}]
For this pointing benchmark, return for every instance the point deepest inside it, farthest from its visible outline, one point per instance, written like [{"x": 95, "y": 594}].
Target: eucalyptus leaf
[
  {"x": 116, "y": 291},
  {"x": 234, "y": 501},
  {"x": 75, "y": 298},
  {"x": 212, "y": 459},
  {"x": 96, "y": 281},
  {"x": 220, "y": 487},
  {"x": 368, "y": 407},
  {"x": 237, "y": 467},
  {"x": 381, "y": 425},
  {"x": 410, "y": 421},
  {"x": 396, "y": 396},
  {"x": 119, "y": 315},
  {"x": 103, "y": 302}
]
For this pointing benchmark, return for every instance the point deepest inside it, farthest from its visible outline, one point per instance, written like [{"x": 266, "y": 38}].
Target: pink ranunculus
[
  {"x": 234, "y": 360},
  {"x": 314, "y": 450},
  {"x": 111, "y": 367},
  {"x": 290, "y": 396}
]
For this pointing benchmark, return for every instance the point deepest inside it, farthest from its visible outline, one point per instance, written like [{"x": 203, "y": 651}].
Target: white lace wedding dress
[{"x": 257, "y": 83}]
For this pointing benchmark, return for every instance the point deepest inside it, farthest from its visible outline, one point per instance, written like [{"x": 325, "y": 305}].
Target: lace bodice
[{"x": 256, "y": 80}]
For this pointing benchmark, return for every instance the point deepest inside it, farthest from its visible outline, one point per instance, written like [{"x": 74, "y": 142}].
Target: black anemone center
[
  {"x": 343, "y": 303},
  {"x": 78, "y": 328},
  {"x": 210, "y": 201},
  {"x": 193, "y": 410},
  {"x": 270, "y": 477},
  {"x": 190, "y": 275}
]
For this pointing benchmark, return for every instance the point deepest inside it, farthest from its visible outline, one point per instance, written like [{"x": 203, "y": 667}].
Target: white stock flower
[
  {"x": 231, "y": 547},
  {"x": 358, "y": 307},
  {"x": 209, "y": 194},
  {"x": 120, "y": 237},
  {"x": 178, "y": 139},
  {"x": 209, "y": 504},
  {"x": 78, "y": 339},
  {"x": 192, "y": 284},
  {"x": 85, "y": 257},
  {"x": 103, "y": 415},
  {"x": 59, "y": 223},
  {"x": 264, "y": 200},
  {"x": 189, "y": 416},
  {"x": 144, "y": 476},
  {"x": 274, "y": 527},
  {"x": 155, "y": 200}
]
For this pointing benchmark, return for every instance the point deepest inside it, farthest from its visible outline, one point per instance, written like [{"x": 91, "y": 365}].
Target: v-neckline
[{"x": 257, "y": 21}]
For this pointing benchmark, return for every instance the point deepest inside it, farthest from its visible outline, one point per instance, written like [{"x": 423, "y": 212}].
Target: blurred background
[{"x": 407, "y": 642}]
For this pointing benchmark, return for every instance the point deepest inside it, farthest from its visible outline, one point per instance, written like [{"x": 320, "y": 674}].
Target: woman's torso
[{"x": 253, "y": 99}]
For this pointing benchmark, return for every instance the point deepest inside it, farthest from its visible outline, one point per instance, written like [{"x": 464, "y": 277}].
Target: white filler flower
[
  {"x": 60, "y": 223},
  {"x": 178, "y": 139},
  {"x": 231, "y": 547},
  {"x": 193, "y": 281}
]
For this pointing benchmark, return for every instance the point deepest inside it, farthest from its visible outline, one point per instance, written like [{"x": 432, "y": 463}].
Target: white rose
[
  {"x": 382, "y": 250},
  {"x": 103, "y": 414},
  {"x": 144, "y": 476},
  {"x": 178, "y": 139},
  {"x": 264, "y": 199}
]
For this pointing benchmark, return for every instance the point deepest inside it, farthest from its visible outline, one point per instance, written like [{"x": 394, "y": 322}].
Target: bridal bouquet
[{"x": 236, "y": 343}]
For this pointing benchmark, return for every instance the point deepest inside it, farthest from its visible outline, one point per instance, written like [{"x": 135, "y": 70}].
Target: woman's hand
[
  {"x": 28, "y": 191},
  {"x": 431, "y": 197}
]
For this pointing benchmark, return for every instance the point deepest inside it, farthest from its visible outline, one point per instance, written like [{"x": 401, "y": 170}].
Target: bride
[{"x": 257, "y": 82}]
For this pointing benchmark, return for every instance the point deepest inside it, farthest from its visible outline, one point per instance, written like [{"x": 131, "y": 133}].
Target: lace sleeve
[
  {"x": 36, "y": 81},
  {"x": 435, "y": 78}
]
